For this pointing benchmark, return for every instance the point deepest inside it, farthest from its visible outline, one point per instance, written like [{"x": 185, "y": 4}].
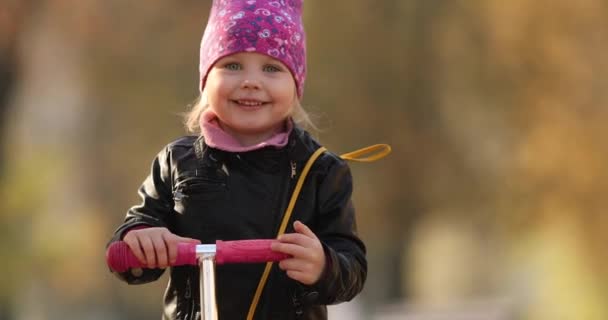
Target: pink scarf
[{"x": 217, "y": 138}]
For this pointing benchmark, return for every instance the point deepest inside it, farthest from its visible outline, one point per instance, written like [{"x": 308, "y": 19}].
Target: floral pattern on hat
[{"x": 270, "y": 27}]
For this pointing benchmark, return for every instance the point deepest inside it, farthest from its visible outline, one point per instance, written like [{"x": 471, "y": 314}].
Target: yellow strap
[
  {"x": 292, "y": 202},
  {"x": 378, "y": 151},
  {"x": 374, "y": 152}
]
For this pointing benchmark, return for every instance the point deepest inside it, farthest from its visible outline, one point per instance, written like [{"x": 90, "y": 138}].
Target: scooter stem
[{"x": 206, "y": 264}]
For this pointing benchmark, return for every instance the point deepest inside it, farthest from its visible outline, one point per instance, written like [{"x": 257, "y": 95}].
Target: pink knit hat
[{"x": 270, "y": 27}]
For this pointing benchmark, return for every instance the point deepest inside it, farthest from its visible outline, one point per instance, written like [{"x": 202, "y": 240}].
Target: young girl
[{"x": 234, "y": 179}]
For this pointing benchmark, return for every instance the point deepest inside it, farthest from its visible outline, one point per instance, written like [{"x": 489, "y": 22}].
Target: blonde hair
[{"x": 193, "y": 116}]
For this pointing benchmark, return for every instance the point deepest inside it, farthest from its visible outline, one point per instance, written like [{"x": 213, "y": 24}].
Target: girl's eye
[
  {"x": 232, "y": 66},
  {"x": 271, "y": 68}
]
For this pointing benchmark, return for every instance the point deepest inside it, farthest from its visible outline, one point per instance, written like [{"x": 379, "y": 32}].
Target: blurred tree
[
  {"x": 13, "y": 18},
  {"x": 520, "y": 103}
]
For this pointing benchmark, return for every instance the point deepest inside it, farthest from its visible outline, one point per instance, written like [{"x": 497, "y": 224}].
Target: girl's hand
[
  {"x": 155, "y": 247},
  {"x": 308, "y": 258}
]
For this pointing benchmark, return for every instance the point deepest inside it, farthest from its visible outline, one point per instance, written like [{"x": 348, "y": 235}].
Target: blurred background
[{"x": 491, "y": 206}]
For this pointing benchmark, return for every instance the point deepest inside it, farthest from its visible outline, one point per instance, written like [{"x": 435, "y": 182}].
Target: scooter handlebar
[
  {"x": 246, "y": 251},
  {"x": 120, "y": 258}
]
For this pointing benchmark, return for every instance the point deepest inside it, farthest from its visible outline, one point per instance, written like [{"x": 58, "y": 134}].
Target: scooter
[{"x": 120, "y": 259}]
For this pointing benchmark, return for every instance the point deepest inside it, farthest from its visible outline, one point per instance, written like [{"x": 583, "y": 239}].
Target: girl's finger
[
  {"x": 189, "y": 240},
  {"x": 299, "y": 227},
  {"x": 296, "y": 238},
  {"x": 293, "y": 250},
  {"x": 171, "y": 244},
  {"x": 148, "y": 248},
  {"x": 300, "y": 276},
  {"x": 135, "y": 247},
  {"x": 160, "y": 248},
  {"x": 295, "y": 265}
]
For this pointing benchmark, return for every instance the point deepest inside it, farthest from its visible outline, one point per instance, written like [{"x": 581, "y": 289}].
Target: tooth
[{"x": 250, "y": 103}]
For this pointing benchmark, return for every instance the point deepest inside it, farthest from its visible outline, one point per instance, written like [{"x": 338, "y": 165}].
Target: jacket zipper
[
  {"x": 188, "y": 294},
  {"x": 284, "y": 198},
  {"x": 293, "y": 169},
  {"x": 182, "y": 188},
  {"x": 189, "y": 311}
]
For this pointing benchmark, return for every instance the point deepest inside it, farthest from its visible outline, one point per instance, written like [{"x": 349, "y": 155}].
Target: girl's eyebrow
[
  {"x": 273, "y": 62},
  {"x": 229, "y": 59}
]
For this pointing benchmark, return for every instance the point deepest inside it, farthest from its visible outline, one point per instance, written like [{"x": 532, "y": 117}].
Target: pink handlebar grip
[
  {"x": 120, "y": 258},
  {"x": 246, "y": 251}
]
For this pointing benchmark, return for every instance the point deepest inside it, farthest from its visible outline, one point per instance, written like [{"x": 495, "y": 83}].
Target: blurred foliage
[{"x": 496, "y": 112}]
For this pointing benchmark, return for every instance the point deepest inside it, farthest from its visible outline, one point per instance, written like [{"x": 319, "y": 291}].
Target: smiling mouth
[{"x": 249, "y": 103}]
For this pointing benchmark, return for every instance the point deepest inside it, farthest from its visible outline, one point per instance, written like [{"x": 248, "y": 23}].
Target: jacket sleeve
[
  {"x": 346, "y": 265},
  {"x": 155, "y": 210}
]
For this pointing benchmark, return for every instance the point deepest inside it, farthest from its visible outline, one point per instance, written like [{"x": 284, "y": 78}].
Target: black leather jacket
[{"x": 208, "y": 194}]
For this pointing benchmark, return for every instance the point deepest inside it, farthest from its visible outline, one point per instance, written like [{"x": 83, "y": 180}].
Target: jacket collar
[{"x": 299, "y": 147}]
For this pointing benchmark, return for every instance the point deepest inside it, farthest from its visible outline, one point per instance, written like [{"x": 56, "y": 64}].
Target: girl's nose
[{"x": 250, "y": 84}]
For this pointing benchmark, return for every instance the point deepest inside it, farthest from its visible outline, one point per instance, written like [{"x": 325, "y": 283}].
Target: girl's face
[{"x": 252, "y": 94}]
